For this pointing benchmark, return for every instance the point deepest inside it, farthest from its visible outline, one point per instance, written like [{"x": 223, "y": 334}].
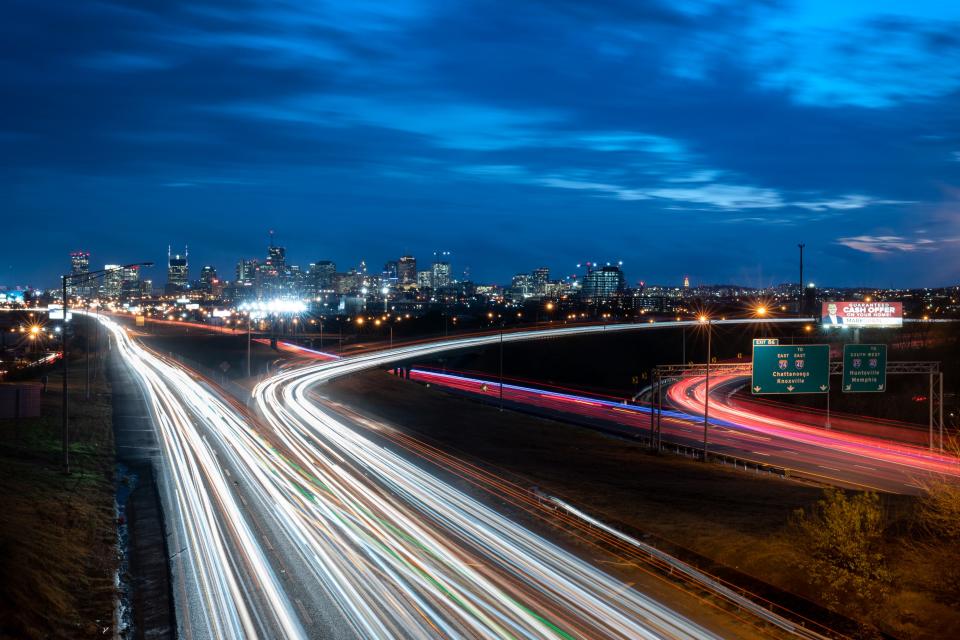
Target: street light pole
[
  {"x": 501, "y": 366},
  {"x": 86, "y": 360},
  {"x": 706, "y": 398},
  {"x": 64, "y": 435},
  {"x": 248, "y": 344},
  {"x": 800, "y": 305},
  {"x": 65, "y": 410}
]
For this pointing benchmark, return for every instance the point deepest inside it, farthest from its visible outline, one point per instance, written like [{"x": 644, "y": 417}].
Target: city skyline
[
  {"x": 701, "y": 138},
  {"x": 227, "y": 272}
]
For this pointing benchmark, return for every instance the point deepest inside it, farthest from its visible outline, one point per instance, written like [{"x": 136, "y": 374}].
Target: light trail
[
  {"x": 239, "y": 592},
  {"x": 401, "y": 552},
  {"x": 689, "y": 394},
  {"x": 400, "y": 549},
  {"x": 734, "y": 430}
]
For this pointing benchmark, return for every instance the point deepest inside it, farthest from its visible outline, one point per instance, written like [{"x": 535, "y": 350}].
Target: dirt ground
[{"x": 728, "y": 522}]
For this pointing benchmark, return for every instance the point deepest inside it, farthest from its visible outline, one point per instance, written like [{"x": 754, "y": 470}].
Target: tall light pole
[
  {"x": 706, "y": 397},
  {"x": 65, "y": 409},
  {"x": 501, "y": 365},
  {"x": 248, "y": 344},
  {"x": 64, "y": 431},
  {"x": 800, "y": 301}
]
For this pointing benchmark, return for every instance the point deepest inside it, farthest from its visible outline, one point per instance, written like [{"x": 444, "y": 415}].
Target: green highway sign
[
  {"x": 864, "y": 368},
  {"x": 765, "y": 341},
  {"x": 794, "y": 368}
]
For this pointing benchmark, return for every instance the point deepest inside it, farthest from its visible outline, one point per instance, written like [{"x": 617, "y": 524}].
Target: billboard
[
  {"x": 862, "y": 314},
  {"x": 55, "y": 312}
]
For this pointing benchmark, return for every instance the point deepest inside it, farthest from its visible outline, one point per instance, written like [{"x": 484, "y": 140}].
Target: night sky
[{"x": 701, "y": 138}]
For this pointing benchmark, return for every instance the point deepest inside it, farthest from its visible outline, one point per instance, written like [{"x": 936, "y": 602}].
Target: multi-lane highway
[
  {"x": 748, "y": 434},
  {"x": 230, "y": 589},
  {"x": 312, "y": 528},
  {"x": 833, "y": 455}
]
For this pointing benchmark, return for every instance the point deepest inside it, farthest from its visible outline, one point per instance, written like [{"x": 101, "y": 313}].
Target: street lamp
[
  {"x": 77, "y": 278},
  {"x": 705, "y": 319},
  {"x": 501, "y": 364}
]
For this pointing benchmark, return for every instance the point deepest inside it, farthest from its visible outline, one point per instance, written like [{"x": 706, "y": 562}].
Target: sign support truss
[{"x": 664, "y": 374}]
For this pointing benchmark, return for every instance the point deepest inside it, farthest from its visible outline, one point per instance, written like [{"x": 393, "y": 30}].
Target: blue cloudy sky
[{"x": 703, "y": 138}]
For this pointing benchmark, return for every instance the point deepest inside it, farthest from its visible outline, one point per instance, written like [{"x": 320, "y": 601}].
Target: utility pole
[{"x": 800, "y": 304}]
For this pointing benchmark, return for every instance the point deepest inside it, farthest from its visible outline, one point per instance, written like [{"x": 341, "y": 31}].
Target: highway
[
  {"x": 847, "y": 458},
  {"x": 830, "y": 456},
  {"x": 407, "y": 553},
  {"x": 311, "y": 515},
  {"x": 230, "y": 588}
]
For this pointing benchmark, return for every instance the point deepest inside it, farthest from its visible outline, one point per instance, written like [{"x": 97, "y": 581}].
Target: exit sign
[
  {"x": 793, "y": 368},
  {"x": 864, "y": 368}
]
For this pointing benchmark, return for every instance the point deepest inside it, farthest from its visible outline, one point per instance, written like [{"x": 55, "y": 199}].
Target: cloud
[
  {"x": 621, "y": 141},
  {"x": 846, "y": 203},
  {"x": 790, "y": 113},
  {"x": 619, "y": 193},
  {"x": 882, "y": 245},
  {"x": 724, "y": 196},
  {"x": 855, "y": 56},
  {"x": 703, "y": 175}
]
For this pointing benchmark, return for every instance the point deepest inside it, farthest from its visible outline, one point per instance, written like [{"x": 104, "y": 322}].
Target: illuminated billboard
[{"x": 862, "y": 314}]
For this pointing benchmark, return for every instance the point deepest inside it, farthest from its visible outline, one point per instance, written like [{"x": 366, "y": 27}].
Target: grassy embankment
[{"x": 57, "y": 533}]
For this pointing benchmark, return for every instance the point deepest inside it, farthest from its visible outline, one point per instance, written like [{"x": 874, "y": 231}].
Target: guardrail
[{"x": 709, "y": 583}]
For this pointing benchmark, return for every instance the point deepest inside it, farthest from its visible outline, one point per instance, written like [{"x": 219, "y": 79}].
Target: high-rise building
[
  {"x": 541, "y": 277},
  {"x": 247, "y": 272},
  {"x": 440, "y": 270},
  {"x": 521, "y": 286},
  {"x": 276, "y": 262},
  {"x": 112, "y": 285},
  {"x": 407, "y": 272},
  {"x": 177, "y": 271},
  {"x": 130, "y": 290},
  {"x": 603, "y": 284},
  {"x": 391, "y": 270},
  {"x": 321, "y": 275},
  {"x": 425, "y": 279},
  {"x": 209, "y": 283},
  {"x": 79, "y": 268},
  {"x": 208, "y": 274},
  {"x": 296, "y": 281},
  {"x": 274, "y": 273}
]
